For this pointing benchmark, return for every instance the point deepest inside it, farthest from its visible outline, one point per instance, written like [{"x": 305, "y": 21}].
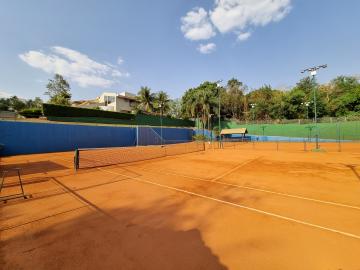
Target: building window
[{"x": 109, "y": 99}]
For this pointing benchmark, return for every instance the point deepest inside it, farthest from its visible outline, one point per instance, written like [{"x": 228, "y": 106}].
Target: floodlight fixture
[{"x": 313, "y": 72}]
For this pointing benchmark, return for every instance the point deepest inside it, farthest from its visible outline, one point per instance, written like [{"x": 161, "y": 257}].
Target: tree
[
  {"x": 175, "y": 108},
  {"x": 201, "y": 102},
  {"x": 293, "y": 107},
  {"x": 234, "y": 98},
  {"x": 145, "y": 99},
  {"x": 4, "y": 104},
  {"x": 263, "y": 100},
  {"x": 16, "y": 103},
  {"x": 162, "y": 102},
  {"x": 58, "y": 90},
  {"x": 34, "y": 104}
]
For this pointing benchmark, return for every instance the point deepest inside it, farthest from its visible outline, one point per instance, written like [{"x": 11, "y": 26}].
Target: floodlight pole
[
  {"x": 313, "y": 72},
  {"x": 252, "y": 107},
  {"x": 219, "y": 112},
  {"x": 161, "y": 131},
  {"x": 307, "y": 103}
]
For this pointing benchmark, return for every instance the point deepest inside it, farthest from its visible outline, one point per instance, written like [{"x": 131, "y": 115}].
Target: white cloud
[
  {"x": 207, "y": 48},
  {"x": 238, "y": 15},
  {"x": 243, "y": 36},
  {"x": 120, "y": 60},
  {"x": 4, "y": 94},
  {"x": 196, "y": 25},
  {"x": 233, "y": 16},
  {"x": 74, "y": 65}
]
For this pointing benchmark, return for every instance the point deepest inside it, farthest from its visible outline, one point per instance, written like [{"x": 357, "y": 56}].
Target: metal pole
[
  {"x": 339, "y": 137},
  {"x": 161, "y": 131},
  {"x": 307, "y": 112},
  {"x": 315, "y": 113},
  {"x": 313, "y": 71},
  {"x": 137, "y": 135},
  {"x": 219, "y": 119}
]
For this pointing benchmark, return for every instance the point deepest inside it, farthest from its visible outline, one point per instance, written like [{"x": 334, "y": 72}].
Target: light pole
[
  {"x": 219, "y": 111},
  {"x": 209, "y": 125},
  {"x": 161, "y": 131},
  {"x": 253, "y": 107},
  {"x": 313, "y": 72},
  {"x": 307, "y": 103}
]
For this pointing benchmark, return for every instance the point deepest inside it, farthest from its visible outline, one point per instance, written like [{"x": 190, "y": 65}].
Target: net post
[
  {"x": 277, "y": 145},
  {"x": 304, "y": 145},
  {"x": 76, "y": 160}
]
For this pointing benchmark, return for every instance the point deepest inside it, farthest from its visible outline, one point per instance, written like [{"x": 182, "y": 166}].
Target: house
[{"x": 110, "y": 101}]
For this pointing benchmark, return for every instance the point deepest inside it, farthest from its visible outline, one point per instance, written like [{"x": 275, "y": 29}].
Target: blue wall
[{"x": 29, "y": 137}]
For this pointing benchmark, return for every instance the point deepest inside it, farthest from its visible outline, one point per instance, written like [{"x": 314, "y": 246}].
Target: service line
[{"x": 239, "y": 206}]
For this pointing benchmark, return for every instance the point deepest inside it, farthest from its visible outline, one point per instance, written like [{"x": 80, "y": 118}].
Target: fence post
[
  {"x": 339, "y": 138},
  {"x": 137, "y": 135}
]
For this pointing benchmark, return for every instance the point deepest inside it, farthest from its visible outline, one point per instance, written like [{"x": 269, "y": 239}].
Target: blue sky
[{"x": 173, "y": 45}]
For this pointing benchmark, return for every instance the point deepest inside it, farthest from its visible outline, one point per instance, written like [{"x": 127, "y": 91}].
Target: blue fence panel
[
  {"x": 156, "y": 136},
  {"x": 28, "y": 137},
  {"x": 206, "y": 132}
]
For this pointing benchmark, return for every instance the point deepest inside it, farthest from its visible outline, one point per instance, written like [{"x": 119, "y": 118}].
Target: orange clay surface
[{"x": 243, "y": 207}]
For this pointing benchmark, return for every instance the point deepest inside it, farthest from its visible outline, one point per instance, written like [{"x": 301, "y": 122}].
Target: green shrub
[
  {"x": 31, "y": 113},
  {"x": 154, "y": 120},
  {"x": 66, "y": 111}
]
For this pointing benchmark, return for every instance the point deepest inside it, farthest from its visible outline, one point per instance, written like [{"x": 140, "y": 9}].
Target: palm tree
[
  {"x": 162, "y": 102},
  {"x": 145, "y": 99}
]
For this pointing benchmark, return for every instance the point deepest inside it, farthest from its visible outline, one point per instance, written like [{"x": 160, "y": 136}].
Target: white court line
[
  {"x": 235, "y": 168},
  {"x": 258, "y": 189},
  {"x": 240, "y": 206}
]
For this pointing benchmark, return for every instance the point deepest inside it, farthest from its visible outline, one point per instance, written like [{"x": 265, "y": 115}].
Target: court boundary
[
  {"x": 255, "y": 189},
  {"x": 266, "y": 213}
]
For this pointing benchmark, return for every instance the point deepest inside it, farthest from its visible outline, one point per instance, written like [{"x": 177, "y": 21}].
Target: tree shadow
[
  {"x": 352, "y": 167},
  {"x": 123, "y": 238},
  {"x": 35, "y": 167}
]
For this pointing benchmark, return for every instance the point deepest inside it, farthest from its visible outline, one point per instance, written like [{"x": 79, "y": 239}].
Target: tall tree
[
  {"x": 234, "y": 99},
  {"x": 16, "y": 103},
  {"x": 201, "y": 102},
  {"x": 4, "y": 104},
  {"x": 34, "y": 104},
  {"x": 263, "y": 100},
  {"x": 146, "y": 99},
  {"x": 58, "y": 89},
  {"x": 175, "y": 108},
  {"x": 162, "y": 102}
]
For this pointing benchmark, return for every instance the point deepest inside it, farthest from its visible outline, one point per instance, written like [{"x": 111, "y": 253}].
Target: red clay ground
[{"x": 235, "y": 208}]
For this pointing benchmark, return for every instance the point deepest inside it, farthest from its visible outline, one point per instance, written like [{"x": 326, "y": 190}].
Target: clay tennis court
[{"x": 247, "y": 206}]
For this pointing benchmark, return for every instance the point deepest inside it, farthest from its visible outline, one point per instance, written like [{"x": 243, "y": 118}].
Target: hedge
[
  {"x": 31, "y": 113},
  {"x": 154, "y": 120},
  {"x": 67, "y": 111}
]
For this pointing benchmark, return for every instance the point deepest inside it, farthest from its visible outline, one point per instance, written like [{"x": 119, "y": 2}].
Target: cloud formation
[
  {"x": 243, "y": 36},
  {"x": 207, "y": 48},
  {"x": 75, "y": 66},
  {"x": 196, "y": 25},
  {"x": 120, "y": 60},
  {"x": 240, "y": 17},
  {"x": 4, "y": 94}
]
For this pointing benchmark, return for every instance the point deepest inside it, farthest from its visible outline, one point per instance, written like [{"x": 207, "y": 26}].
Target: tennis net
[{"x": 98, "y": 157}]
